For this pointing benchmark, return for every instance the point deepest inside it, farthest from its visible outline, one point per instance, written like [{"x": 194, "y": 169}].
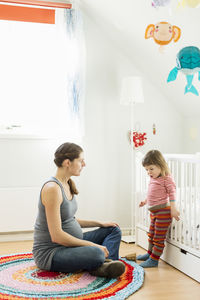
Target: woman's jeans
[{"x": 71, "y": 259}]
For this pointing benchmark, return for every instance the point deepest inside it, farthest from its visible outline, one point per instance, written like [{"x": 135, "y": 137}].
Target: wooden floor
[{"x": 162, "y": 283}]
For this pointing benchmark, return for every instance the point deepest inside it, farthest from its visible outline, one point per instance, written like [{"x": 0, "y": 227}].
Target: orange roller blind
[
  {"x": 27, "y": 14},
  {"x": 40, "y": 3}
]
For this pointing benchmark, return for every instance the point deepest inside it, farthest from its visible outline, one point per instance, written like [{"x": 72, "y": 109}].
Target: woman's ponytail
[{"x": 72, "y": 187}]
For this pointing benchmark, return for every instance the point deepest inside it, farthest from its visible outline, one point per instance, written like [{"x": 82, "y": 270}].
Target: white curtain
[{"x": 75, "y": 89}]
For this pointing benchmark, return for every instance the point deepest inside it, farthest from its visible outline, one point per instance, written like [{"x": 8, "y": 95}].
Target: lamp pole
[
  {"x": 131, "y": 238},
  {"x": 132, "y": 174},
  {"x": 131, "y": 94}
]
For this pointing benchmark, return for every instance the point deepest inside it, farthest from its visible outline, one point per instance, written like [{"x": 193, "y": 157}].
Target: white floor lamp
[{"x": 131, "y": 94}]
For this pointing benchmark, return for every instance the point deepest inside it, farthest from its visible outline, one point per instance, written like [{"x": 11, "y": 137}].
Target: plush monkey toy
[{"x": 163, "y": 33}]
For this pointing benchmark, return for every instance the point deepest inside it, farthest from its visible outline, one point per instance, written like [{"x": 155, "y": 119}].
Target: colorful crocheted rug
[{"x": 21, "y": 279}]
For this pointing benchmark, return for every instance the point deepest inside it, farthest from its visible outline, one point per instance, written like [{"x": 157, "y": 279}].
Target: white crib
[{"x": 182, "y": 249}]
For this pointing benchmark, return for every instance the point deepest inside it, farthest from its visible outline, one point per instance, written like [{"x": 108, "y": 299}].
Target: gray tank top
[{"x": 43, "y": 248}]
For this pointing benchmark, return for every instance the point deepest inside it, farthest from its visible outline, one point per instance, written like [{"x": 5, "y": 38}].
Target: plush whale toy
[{"x": 188, "y": 62}]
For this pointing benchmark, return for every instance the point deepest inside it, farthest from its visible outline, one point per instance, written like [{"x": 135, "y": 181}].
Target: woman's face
[
  {"x": 76, "y": 166},
  {"x": 153, "y": 171}
]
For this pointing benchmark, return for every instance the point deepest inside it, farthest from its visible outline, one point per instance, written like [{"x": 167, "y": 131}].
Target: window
[{"x": 39, "y": 68}]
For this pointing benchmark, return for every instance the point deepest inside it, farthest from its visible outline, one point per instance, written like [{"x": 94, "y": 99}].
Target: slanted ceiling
[{"x": 125, "y": 22}]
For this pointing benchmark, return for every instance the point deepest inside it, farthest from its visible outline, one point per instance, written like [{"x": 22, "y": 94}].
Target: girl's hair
[
  {"x": 155, "y": 157},
  {"x": 69, "y": 151}
]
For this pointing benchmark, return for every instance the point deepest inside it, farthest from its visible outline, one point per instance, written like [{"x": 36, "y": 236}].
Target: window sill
[
  {"x": 22, "y": 135},
  {"x": 8, "y": 136},
  {"x": 15, "y": 134}
]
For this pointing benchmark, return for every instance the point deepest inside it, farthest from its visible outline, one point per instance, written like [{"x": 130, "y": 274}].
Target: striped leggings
[{"x": 160, "y": 222}]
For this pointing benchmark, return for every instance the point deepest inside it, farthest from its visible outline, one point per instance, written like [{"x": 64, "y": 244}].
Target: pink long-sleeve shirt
[{"x": 161, "y": 190}]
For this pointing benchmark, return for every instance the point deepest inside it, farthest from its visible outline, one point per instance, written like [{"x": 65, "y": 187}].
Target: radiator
[{"x": 18, "y": 208}]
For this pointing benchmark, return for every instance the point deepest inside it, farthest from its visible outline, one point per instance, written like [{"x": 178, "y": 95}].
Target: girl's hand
[
  {"x": 175, "y": 214},
  {"x": 142, "y": 203}
]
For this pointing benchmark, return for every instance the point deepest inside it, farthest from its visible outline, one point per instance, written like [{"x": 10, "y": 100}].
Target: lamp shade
[{"x": 131, "y": 91}]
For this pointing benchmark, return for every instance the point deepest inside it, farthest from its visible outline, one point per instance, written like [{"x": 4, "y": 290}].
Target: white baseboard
[
  {"x": 16, "y": 236},
  {"x": 128, "y": 239},
  {"x": 28, "y": 235},
  {"x": 126, "y": 231}
]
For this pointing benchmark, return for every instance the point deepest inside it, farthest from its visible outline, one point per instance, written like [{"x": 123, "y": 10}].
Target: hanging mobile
[
  {"x": 138, "y": 137},
  {"x": 154, "y": 129}
]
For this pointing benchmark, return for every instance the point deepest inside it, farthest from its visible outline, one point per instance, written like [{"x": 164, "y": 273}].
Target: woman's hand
[
  {"x": 104, "y": 249},
  {"x": 87, "y": 223},
  {"x": 109, "y": 224}
]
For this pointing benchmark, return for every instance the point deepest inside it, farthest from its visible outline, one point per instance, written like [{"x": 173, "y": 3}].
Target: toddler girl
[{"x": 161, "y": 203}]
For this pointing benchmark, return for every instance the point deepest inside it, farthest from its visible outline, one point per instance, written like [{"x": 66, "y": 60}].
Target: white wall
[
  {"x": 191, "y": 135},
  {"x": 105, "y": 183}
]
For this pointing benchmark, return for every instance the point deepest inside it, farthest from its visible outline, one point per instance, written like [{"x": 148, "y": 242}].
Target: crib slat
[
  {"x": 181, "y": 202},
  {"x": 189, "y": 204},
  {"x": 171, "y": 166},
  {"x": 176, "y": 178},
  {"x": 196, "y": 206},
  {"x": 185, "y": 205}
]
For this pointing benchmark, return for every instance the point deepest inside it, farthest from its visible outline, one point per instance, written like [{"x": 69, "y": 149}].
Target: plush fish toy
[
  {"x": 188, "y": 62},
  {"x": 190, "y": 3},
  {"x": 157, "y": 3}
]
